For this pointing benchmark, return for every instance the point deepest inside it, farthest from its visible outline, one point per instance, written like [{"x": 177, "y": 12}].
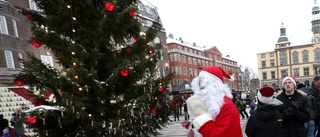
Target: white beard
[{"x": 212, "y": 92}]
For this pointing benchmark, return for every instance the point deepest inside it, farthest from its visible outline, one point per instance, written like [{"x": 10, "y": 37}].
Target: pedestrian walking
[
  {"x": 314, "y": 90},
  {"x": 185, "y": 111},
  {"x": 3, "y": 124},
  {"x": 294, "y": 109},
  {"x": 17, "y": 125},
  {"x": 267, "y": 120}
]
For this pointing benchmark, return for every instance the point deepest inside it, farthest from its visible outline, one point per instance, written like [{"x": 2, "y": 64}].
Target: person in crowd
[
  {"x": 175, "y": 108},
  {"x": 17, "y": 125},
  {"x": 243, "y": 111},
  {"x": 314, "y": 90},
  {"x": 294, "y": 109},
  {"x": 310, "y": 125},
  {"x": 211, "y": 109},
  {"x": 253, "y": 107},
  {"x": 185, "y": 110},
  {"x": 3, "y": 124},
  {"x": 267, "y": 120}
]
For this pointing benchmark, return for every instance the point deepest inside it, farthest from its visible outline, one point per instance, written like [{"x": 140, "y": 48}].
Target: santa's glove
[{"x": 196, "y": 106}]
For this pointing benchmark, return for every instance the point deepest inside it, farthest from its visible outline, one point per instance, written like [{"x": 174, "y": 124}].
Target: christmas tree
[{"x": 106, "y": 86}]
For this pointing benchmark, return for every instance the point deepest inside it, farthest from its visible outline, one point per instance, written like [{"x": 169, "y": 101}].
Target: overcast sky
[{"x": 239, "y": 28}]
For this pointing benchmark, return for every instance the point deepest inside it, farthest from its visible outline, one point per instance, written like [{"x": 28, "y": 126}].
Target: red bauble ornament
[
  {"x": 124, "y": 72},
  {"x": 109, "y": 6},
  {"x": 154, "y": 111},
  {"x": 47, "y": 95},
  {"x": 151, "y": 50},
  {"x": 31, "y": 119},
  {"x": 36, "y": 44},
  {"x": 128, "y": 50},
  {"x": 132, "y": 13},
  {"x": 29, "y": 16},
  {"x": 19, "y": 82},
  {"x": 160, "y": 88},
  {"x": 134, "y": 37},
  {"x": 39, "y": 104}
]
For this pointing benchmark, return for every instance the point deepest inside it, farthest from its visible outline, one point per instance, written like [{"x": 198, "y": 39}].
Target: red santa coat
[{"x": 226, "y": 124}]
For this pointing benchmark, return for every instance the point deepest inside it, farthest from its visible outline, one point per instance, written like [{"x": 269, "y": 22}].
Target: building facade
[
  {"x": 187, "y": 59},
  {"x": 300, "y": 61},
  {"x": 15, "y": 40},
  {"x": 147, "y": 14}
]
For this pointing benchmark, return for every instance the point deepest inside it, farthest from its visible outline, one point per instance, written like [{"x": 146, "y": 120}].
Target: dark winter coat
[
  {"x": 316, "y": 94},
  {"x": 293, "y": 124},
  {"x": 265, "y": 122}
]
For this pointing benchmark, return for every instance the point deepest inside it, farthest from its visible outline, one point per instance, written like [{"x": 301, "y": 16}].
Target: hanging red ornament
[
  {"x": 47, "y": 95},
  {"x": 31, "y": 119},
  {"x": 161, "y": 89},
  {"x": 35, "y": 43},
  {"x": 134, "y": 37},
  {"x": 128, "y": 50},
  {"x": 109, "y": 6},
  {"x": 132, "y": 13},
  {"x": 154, "y": 111},
  {"x": 29, "y": 16},
  {"x": 19, "y": 82},
  {"x": 151, "y": 50},
  {"x": 124, "y": 72}
]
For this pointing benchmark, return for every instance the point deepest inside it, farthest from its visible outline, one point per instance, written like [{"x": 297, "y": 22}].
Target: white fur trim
[
  {"x": 208, "y": 75},
  {"x": 286, "y": 78},
  {"x": 264, "y": 99},
  {"x": 201, "y": 120},
  {"x": 231, "y": 78}
]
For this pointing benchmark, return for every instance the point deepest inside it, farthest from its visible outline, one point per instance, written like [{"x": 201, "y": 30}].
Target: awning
[
  {"x": 184, "y": 88},
  {"x": 24, "y": 93}
]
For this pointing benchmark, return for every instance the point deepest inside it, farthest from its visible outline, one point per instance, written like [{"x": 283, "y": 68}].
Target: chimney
[
  {"x": 194, "y": 44},
  {"x": 171, "y": 36}
]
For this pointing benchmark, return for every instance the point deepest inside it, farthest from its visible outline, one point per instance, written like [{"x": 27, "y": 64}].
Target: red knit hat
[
  {"x": 292, "y": 78},
  {"x": 216, "y": 72},
  {"x": 265, "y": 94}
]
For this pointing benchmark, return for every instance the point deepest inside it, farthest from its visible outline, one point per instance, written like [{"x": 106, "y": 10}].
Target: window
[
  {"x": 272, "y": 63},
  {"x": 140, "y": 7},
  {"x": 46, "y": 60},
  {"x": 263, "y": 64},
  {"x": 195, "y": 72},
  {"x": 194, "y": 61},
  {"x": 283, "y": 53},
  {"x": 21, "y": 60},
  {"x": 283, "y": 61},
  {"x": 173, "y": 70},
  {"x": 175, "y": 57},
  {"x": 177, "y": 70},
  {"x": 263, "y": 55},
  {"x": 207, "y": 63},
  {"x": 183, "y": 58},
  {"x": 295, "y": 57},
  {"x": 273, "y": 74},
  {"x": 185, "y": 71},
  {"x": 9, "y": 59},
  {"x": 3, "y": 25},
  {"x": 306, "y": 71},
  {"x": 271, "y": 54},
  {"x": 305, "y": 56},
  {"x": 171, "y": 58},
  {"x": 190, "y": 72},
  {"x": 264, "y": 75},
  {"x": 199, "y": 61},
  {"x": 33, "y": 5},
  {"x": 296, "y": 72},
  {"x": 317, "y": 54},
  {"x": 190, "y": 60},
  {"x": 15, "y": 28},
  {"x": 284, "y": 73}
]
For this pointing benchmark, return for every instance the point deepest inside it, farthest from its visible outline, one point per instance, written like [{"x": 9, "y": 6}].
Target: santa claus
[{"x": 211, "y": 109}]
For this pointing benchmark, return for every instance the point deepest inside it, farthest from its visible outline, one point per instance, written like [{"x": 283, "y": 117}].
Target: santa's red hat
[
  {"x": 265, "y": 94},
  {"x": 215, "y": 72},
  {"x": 291, "y": 78}
]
